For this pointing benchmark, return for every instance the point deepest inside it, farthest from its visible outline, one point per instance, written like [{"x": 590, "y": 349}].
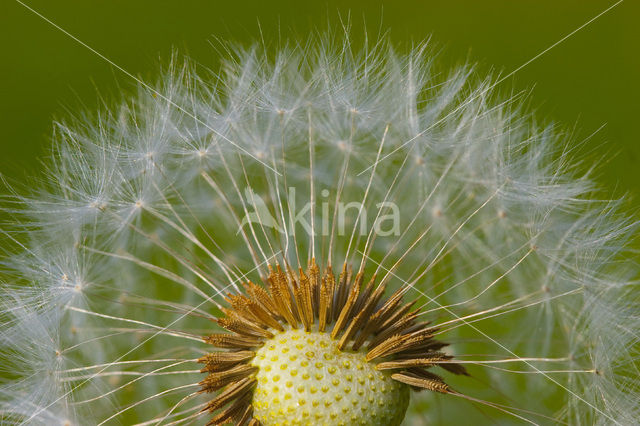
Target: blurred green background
[{"x": 588, "y": 80}]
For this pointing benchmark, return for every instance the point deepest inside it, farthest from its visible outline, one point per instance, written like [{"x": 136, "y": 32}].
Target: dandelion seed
[{"x": 166, "y": 272}]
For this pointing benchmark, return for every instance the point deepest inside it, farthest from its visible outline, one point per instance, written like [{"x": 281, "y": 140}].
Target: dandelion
[{"x": 324, "y": 235}]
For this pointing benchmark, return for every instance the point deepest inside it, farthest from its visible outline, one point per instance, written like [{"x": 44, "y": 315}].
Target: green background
[{"x": 588, "y": 80}]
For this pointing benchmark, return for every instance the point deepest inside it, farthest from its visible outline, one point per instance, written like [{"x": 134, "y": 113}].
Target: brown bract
[{"x": 355, "y": 315}]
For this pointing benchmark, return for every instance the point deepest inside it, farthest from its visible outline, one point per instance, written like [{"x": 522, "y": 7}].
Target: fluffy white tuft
[{"x": 125, "y": 251}]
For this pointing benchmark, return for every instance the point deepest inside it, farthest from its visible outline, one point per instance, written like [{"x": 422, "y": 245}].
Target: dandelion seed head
[{"x": 153, "y": 219}]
